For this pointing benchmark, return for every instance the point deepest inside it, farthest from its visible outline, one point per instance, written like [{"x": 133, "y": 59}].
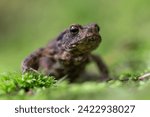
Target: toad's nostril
[{"x": 97, "y": 27}]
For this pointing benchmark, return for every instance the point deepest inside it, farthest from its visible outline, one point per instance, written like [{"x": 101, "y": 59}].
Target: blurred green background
[{"x": 26, "y": 25}]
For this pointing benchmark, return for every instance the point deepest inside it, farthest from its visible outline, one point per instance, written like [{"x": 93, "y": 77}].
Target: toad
[{"x": 68, "y": 54}]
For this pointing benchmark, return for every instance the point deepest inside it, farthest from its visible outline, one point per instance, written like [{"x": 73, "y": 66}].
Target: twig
[{"x": 144, "y": 76}]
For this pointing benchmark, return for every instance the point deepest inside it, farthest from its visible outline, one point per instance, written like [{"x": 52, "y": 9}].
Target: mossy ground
[{"x": 37, "y": 86}]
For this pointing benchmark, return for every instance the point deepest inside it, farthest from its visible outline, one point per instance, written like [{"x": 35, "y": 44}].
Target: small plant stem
[{"x": 144, "y": 76}]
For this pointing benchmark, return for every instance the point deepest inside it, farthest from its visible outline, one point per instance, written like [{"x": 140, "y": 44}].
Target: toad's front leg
[
  {"x": 103, "y": 69},
  {"x": 31, "y": 63}
]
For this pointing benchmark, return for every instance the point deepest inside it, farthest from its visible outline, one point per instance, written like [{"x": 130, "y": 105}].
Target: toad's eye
[{"x": 74, "y": 29}]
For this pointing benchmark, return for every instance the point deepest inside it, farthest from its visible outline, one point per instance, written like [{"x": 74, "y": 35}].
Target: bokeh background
[{"x": 26, "y": 25}]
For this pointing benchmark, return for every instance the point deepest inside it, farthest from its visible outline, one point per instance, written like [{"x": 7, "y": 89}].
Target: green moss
[
  {"x": 12, "y": 82},
  {"x": 37, "y": 86}
]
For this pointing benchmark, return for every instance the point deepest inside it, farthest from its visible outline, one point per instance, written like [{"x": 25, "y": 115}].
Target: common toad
[{"x": 68, "y": 54}]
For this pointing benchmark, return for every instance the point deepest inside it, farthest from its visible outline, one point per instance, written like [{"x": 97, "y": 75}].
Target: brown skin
[{"x": 68, "y": 54}]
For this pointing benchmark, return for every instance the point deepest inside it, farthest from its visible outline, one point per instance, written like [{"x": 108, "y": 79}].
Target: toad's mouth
[
  {"x": 90, "y": 40},
  {"x": 86, "y": 44}
]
